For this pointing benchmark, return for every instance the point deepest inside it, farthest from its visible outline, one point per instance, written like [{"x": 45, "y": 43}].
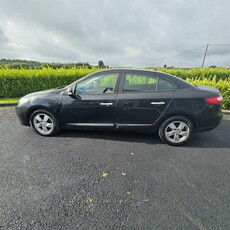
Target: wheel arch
[
  {"x": 40, "y": 107},
  {"x": 180, "y": 114}
]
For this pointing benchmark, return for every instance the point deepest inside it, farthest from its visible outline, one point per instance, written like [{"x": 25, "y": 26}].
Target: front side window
[
  {"x": 138, "y": 82},
  {"x": 97, "y": 85}
]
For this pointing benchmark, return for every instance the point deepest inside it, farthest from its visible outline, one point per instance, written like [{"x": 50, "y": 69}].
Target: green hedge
[
  {"x": 201, "y": 73},
  {"x": 18, "y": 82}
]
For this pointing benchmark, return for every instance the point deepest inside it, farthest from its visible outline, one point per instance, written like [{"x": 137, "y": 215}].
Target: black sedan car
[{"x": 125, "y": 99}]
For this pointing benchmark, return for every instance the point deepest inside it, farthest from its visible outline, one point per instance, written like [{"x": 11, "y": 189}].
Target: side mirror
[{"x": 70, "y": 91}]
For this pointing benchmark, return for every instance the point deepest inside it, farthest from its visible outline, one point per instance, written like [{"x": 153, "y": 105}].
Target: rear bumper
[
  {"x": 205, "y": 129},
  {"x": 209, "y": 120}
]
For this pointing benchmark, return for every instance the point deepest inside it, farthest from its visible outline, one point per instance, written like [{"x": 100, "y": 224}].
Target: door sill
[
  {"x": 134, "y": 125},
  {"x": 107, "y": 125},
  {"x": 89, "y": 124}
]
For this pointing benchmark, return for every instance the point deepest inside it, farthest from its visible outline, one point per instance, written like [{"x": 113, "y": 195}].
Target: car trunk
[{"x": 209, "y": 89}]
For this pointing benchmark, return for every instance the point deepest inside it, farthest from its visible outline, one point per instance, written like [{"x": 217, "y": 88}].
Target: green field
[{"x": 15, "y": 83}]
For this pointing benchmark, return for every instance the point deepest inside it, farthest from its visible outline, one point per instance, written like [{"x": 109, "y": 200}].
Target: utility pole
[
  {"x": 160, "y": 62},
  {"x": 206, "y": 50}
]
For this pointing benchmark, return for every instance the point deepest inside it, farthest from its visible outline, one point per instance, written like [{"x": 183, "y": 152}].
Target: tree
[
  {"x": 101, "y": 64},
  {"x": 213, "y": 66}
]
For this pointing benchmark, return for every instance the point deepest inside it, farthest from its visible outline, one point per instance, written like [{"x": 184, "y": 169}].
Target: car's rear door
[{"x": 142, "y": 99}]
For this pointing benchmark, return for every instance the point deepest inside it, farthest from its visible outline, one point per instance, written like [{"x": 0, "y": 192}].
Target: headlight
[{"x": 23, "y": 100}]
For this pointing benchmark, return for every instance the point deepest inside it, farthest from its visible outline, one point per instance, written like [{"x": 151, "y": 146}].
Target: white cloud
[{"x": 119, "y": 32}]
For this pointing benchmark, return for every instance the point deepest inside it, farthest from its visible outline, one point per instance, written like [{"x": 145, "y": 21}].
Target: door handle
[
  {"x": 157, "y": 103},
  {"x": 106, "y": 103}
]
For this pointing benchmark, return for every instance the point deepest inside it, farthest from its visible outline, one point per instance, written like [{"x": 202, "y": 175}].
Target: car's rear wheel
[
  {"x": 44, "y": 123},
  {"x": 176, "y": 130}
]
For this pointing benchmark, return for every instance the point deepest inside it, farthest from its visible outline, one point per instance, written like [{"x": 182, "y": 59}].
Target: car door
[
  {"x": 142, "y": 99},
  {"x": 93, "y": 101}
]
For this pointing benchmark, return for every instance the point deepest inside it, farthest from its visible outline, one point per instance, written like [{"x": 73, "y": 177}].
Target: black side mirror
[{"x": 70, "y": 90}]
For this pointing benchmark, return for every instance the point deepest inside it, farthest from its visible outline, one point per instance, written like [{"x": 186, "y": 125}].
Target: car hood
[{"x": 45, "y": 92}]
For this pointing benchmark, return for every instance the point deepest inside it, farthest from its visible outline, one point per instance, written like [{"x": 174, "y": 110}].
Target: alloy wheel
[
  {"x": 43, "y": 123},
  {"x": 177, "y": 131}
]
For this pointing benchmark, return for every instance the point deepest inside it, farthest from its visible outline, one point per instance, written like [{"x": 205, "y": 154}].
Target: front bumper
[{"x": 21, "y": 112}]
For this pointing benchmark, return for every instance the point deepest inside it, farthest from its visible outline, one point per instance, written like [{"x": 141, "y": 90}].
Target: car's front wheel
[
  {"x": 176, "y": 130},
  {"x": 44, "y": 123}
]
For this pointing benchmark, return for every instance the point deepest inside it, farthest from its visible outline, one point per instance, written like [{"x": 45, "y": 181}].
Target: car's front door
[
  {"x": 142, "y": 99},
  {"x": 93, "y": 102}
]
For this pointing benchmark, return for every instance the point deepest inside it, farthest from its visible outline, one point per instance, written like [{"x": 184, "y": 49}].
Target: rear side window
[
  {"x": 137, "y": 82},
  {"x": 164, "y": 85},
  {"x": 143, "y": 83}
]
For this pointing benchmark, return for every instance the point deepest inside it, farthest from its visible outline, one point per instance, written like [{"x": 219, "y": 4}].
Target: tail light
[{"x": 214, "y": 100}]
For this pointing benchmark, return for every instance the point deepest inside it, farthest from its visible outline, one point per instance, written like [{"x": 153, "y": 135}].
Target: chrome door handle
[
  {"x": 106, "y": 104},
  {"x": 157, "y": 103}
]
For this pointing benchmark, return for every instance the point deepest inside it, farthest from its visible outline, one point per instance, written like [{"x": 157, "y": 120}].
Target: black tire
[
  {"x": 44, "y": 123},
  {"x": 176, "y": 130}
]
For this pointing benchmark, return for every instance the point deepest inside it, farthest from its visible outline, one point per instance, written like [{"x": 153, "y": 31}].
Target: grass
[{"x": 4, "y": 101}]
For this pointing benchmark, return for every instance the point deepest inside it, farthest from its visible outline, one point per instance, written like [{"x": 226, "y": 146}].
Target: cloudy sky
[{"x": 119, "y": 32}]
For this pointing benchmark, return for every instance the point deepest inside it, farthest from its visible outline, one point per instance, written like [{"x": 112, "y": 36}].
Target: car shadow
[
  {"x": 217, "y": 138},
  {"x": 148, "y": 138}
]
